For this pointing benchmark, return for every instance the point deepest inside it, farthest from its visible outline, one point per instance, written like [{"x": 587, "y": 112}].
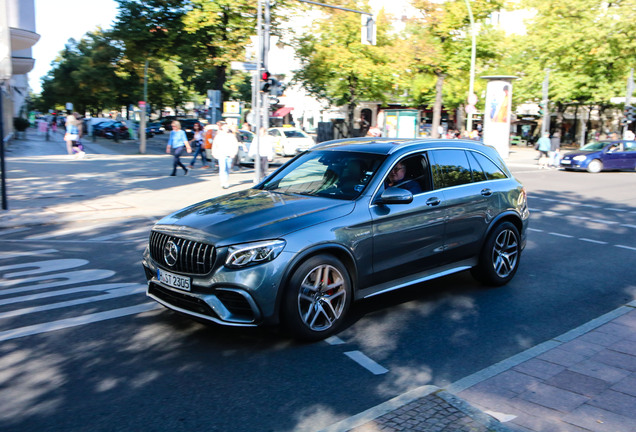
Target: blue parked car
[{"x": 602, "y": 156}]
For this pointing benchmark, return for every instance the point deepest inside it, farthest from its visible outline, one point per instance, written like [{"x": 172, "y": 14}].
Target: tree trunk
[{"x": 437, "y": 108}]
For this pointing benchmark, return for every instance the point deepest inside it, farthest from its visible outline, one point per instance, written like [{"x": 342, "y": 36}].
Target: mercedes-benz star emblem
[{"x": 170, "y": 253}]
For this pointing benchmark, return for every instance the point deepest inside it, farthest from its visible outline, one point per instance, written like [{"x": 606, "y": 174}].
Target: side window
[
  {"x": 450, "y": 168},
  {"x": 411, "y": 173},
  {"x": 488, "y": 168}
]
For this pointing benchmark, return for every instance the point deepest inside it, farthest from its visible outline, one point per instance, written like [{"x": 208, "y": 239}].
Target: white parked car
[{"x": 289, "y": 141}]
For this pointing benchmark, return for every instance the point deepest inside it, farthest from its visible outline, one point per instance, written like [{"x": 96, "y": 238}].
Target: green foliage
[
  {"x": 337, "y": 67},
  {"x": 588, "y": 45}
]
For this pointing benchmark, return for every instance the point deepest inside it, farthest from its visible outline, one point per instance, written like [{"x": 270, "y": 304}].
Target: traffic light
[
  {"x": 266, "y": 83},
  {"x": 630, "y": 114}
]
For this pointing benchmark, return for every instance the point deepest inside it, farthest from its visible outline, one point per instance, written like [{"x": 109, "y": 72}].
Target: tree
[
  {"x": 85, "y": 73},
  {"x": 438, "y": 42},
  {"x": 337, "y": 67},
  {"x": 588, "y": 45}
]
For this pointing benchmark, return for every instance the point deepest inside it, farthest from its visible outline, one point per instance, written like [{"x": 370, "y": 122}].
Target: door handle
[
  {"x": 486, "y": 192},
  {"x": 433, "y": 201}
]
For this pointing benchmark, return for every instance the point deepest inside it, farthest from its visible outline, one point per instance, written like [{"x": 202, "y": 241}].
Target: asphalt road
[{"x": 82, "y": 348}]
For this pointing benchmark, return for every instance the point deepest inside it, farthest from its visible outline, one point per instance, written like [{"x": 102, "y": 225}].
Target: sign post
[
  {"x": 6, "y": 70},
  {"x": 142, "y": 127}
]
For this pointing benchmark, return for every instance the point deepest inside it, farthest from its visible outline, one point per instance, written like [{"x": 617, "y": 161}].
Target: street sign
[
  {"x": 244, "y": 66},
  {"x": 472, "y": 99}
]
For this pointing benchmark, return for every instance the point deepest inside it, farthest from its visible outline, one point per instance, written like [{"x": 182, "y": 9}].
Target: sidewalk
[{"x": 583, "y": 380}]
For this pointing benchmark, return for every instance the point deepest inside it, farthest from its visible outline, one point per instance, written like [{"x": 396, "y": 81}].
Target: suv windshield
[{"x": 341, "y": 175}]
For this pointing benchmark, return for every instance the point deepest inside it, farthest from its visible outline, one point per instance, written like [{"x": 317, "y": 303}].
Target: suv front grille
[{"x": 193, "y": 257}]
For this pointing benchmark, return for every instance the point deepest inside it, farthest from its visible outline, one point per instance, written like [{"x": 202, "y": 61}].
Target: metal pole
[
  {"x": 628, "y": 96},
  {"x": 5, "y": 205},
  {"x": 545, "y": 125},
  {"x": 257, "y": 105},
  {"x": 473, "y": 53},
  {"x": 142, "y": 116}
]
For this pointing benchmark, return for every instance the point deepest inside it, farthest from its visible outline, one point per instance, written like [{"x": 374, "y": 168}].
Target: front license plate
[
  {"x": 173, "y": 280},
  {"x": 566, "y": 162}
]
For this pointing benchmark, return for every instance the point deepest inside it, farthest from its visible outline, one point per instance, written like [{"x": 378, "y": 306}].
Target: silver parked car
[{"x": 346, "y": 220}]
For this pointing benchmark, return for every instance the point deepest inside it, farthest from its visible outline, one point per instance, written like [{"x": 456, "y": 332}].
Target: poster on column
[{"x": 497, "y": 114}]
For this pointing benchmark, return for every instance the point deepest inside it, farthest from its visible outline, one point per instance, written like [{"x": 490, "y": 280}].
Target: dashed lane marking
[
  {"x": 560, "y": 235},
  {"x": 593, "y": 241},
  {"x": 366, "y": 362},
  {"x": 626, "y": 247}
]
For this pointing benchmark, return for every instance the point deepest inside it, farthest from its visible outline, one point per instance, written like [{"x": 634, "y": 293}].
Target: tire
[
  {"x": 317, "y": 298},
  {"x": 595, "y": 166},
  {"x": 499, "y": 258}
]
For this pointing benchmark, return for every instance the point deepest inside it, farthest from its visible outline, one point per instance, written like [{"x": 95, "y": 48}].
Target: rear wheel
[
  {"x": 317, "y": 298},
  {"x": 499, "y": 257},
  {"x": 595, "y": 166}
]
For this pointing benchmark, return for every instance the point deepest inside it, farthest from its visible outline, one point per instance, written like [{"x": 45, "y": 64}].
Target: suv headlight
[
  {"x": 579, "y": 158},
  {"x": 248, "y": 254}
]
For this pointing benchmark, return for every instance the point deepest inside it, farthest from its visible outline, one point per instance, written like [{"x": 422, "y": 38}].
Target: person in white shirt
[{"x": 224, "y": 148}]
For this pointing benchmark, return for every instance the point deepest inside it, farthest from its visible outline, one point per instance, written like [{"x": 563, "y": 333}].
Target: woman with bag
[
  {"x": 177, "y": 142},
  {"x": 198, "y": 143}
]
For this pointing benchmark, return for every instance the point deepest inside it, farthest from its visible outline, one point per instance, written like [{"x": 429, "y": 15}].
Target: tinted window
[
  {"x": 484, "y": 168},
  {"x": 450, "y": 168},
  {"x": 294, "y": 134}
]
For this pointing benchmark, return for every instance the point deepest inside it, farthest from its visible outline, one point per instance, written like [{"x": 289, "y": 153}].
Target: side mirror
[{"x": 394, "y": 195}]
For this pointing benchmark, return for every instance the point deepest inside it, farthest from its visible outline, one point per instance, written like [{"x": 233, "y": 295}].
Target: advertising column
[{"x": 497, "y": 113}]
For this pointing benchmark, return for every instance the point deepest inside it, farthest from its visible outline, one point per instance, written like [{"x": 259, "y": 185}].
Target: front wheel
[
  {"x": 499, "y": 258},
  {"x": 595, "y": 166},
  {"x": 317, "y": 298}
]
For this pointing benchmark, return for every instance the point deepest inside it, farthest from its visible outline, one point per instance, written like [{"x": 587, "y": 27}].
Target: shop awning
[{"x": 282, "y": 112}]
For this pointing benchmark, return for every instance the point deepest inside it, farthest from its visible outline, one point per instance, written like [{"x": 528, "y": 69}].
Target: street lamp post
[{"x": 471, "y": 86}]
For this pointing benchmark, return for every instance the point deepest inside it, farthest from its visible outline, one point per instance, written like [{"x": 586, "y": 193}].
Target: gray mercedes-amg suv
[{"x": 346, "y": 220}]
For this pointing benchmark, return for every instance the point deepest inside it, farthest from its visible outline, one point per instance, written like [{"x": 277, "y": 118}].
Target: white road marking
[
  {"x": 535, "y": 230},
  {"x": 628, "y": 226},
  {"x": 12, "y": 231},
  {"x": 8, "y": 255},
  {"x": 593, "y": 241},
  {"x": 145, "y": 230},
  {"x": 81, "y": 289},
  {"x": 626, "y": 247},
  {"x": 366, "y": 362},
  {"x": 76, "y": 321},
  {"x": 560, "y": 235},
  {"x": 73, "y": 277},
  {"x": 334, "y": 340},
  {"x": 42, "y": 266},
  {"x": 111, "y": 294}
]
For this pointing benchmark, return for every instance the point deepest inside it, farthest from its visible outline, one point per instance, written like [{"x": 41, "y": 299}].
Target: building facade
[{"x": 20, "y": 22}]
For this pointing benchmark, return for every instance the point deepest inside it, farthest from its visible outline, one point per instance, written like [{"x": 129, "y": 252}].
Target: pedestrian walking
[
  {"x": 208, "y": 139},
  {"x": 224, "y": 148},
  {"x": 197, "y": 144},
  {"x": 555, "y": 149},
  {"x": 543, "y": 145},
  {"x": 265, "y": 153},
  {"x": 72, "y": 133},
  {"x": 177, "y": 143}
]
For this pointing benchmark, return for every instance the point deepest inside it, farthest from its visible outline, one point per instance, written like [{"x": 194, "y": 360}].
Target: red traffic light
[{"x": 265, "y": 76}]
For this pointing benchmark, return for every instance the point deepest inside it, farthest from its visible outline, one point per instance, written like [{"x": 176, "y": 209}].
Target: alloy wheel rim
[
  {"x": 505, "y": 253},
  {"x": 322, "y": 297}
]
